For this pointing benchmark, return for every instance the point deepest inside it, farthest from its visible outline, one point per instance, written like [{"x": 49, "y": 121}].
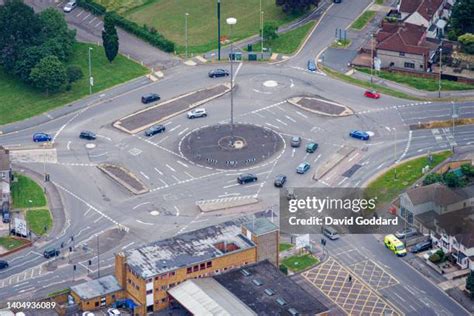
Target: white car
[
  {"x": 197, "y": 113},
  {"x": 88, "y": 314},
  {"x": 113, "y": 312},
  {"x": 70, "y": 6}
]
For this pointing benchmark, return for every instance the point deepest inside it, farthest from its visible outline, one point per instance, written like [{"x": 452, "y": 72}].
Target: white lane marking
[
  {"x": 380, "y": 166},
  {"x": 183, "y": 131},
  {"x": 100, "y": 22},
  {"x": 144, "y": 175},
  {"x": 301, "y": 114},
  {"x": 80, "y": 12},
  {"x": 162, "y": 181},
  {"x": 105, "y": 137},
  {"x": 98, "y": 155},
  {"x": 144, "y": 223},
  {"x": 141, "y": 204},
  {"x": 175, "y": 177},
  {"x": 281, "y": 122},
  {"x": 188, "y": 174},
  {"x": 237, "y": 71},
  {"x": 354, "y": 156},
  {"x": 177, "y": 210},
  {"x": 406, "y": 148},
  {"x": 86, "y": 17},
  {"x": 231, "y": 185},
  {"x": 95, "y": 18},
  {"x": 98, "y": 219},
  {"x": 161, "y": 140},
  {"x": 290, "y": 118},
  {"x": 317, "y": 158},
  {"x": 292, "y": 83},
  {"x": 229, "y": 194},
  {"x": 271, "y": 125},
  {"x": 182, "y": 163},
  {"x": 128, "y": 245},
  {"x": 168, "y": 123},
  {"x": 159, "y": 172},
  {"x": 68, "y": 146},
  {"x": 293, "y": 152},
  {"x": 342, "y": 181},
  {"x": 171, "y": 168},
  {"x": 174, "y": 128},
  {"x": 82, "y": 230},
  {"x": 260, "y": 115}
]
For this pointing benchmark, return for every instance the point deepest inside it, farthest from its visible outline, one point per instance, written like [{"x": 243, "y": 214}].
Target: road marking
[
  {"x": 141, "y": 204},
  {"x": 68, "y": 146},
  {"x": 229, "y": 194},
  {"x": 271, "y": 125},
  {"x": 354, "y": 156},
  {"x": 157, "y": 170},
  {"x": 183, "y": 131},
  {"x": 27, "y": 290},
  {"x": 177, "y": 210},
  {"x": 105, "y": 137},
  {"x": 293, "y": 152},
  {"x": 281, "y": 122},
  {"x": 238, "y": 69},
  {"x": 86, "y": 17},
  {"x": 95, "y": 18},
  {"x": 176, "y": 178},
  {"x": 182, "y": 163},
  {"x": 128, "y": 245},
  {"x": 98, "y": 219},
  {"x": 98, "y": 155},
  {"x": 231, "y": 185},
  {"x": 301, "y": 114},
  {"x": 171, "y": 168},
  {"x": 82, "y": 230},
  {"x": 174, "y": 128},
  {"x": 292, "y": 83},
  {"x": 144, "y": 175},
  {"x": 100, "y": 22},
  {"x": 380, "y": 166},
  {"x": 144, "y": 223},
  {"x": 80, "y": 12},
  {"x": 260, "y": 115},
  {"x": 406, "y": 148},
  {"x": 317, "y": 158},
  {"x": 290, "y": 118},
  {"x": 342, "y": 181},
  {"x": 162, "y": 181},
  {"x": 188, "y": 174}
]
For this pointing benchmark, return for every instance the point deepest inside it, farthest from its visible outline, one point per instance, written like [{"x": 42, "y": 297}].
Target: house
[
  {"x": 97, "y": 293},
  {"x": 5, "y": 177},
  {"x": 432, "y": 14}
]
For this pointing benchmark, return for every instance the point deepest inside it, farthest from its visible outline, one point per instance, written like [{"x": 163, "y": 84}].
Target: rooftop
[
  {"x": 276, "y": 293},
  {"x": 4, "y": 159},
  {"x": 260, "y": 226},
  {"x": 99, "y": 287},
  {"x": 403, "y": 37},
  {"x": 439, "y": 194},
  {"x": 188, "y": 248}
]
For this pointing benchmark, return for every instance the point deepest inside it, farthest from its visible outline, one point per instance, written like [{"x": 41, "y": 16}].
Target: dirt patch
[
  {"x": 441, "y": 124},
  {"x": 124, "y": 177}
]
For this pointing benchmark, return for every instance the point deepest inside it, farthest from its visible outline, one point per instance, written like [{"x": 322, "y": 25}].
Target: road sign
[
  {"x": 377, "y": 63},
  {"x": 301, "y": 241},
  {"x": 20, "y": 227},
  {"x": 91, "y": 81}
]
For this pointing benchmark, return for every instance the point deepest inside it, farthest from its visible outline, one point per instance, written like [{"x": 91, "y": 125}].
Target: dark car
[
  {"x": 311, "y": 65},
  {"x": 422, "y": 246},
  {"x": 50, "y": 252},
  {"x": 152, "y": 97},
  {"x": 41, "y": 137},
  {"x": 3, "y": 264},
  {"x": 6, "y": 213},
  {"x": 218, "y": 73},
  {"x": 337, "y": 1},
  {"x": 155, "y": 130},
  {"x": 280, "y": 181},
  {"x": 87, "y": 135},
  {"x": 311, "y": 147},
  {"x": 359, "y": 135},
  {"x": 246, "y": 178},
  {"x": 295, "y": 141}
]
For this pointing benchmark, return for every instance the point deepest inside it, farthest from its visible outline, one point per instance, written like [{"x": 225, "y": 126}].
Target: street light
[
  {"x": 440, "y": 67},
  {"x": 219, "y": 30},
  {"x": 261, "y": 27},
  {"x": 186, "y": 31},
  {"x": 91, "y": 80},
  {"x": 371, "y": 57},
  {"x": 231, "y": 22}
]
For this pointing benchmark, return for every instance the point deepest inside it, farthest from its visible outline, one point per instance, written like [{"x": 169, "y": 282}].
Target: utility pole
[
  {"x": 218, "y": 29},
  {"x": 371, "y": 57},
  {"x": 440, "y": 67},
  {"x": 91, "y": 79},
  {"x": 98, "y": 258},
  {"x": 186, "y": 31},
  {"x": 261, "y": 26},
  {"x": 395, "y": 153},
  {"x": 231, "y": 22}
]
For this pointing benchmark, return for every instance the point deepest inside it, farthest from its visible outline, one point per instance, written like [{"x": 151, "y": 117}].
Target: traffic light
[
  {"x": 90, "y": 262},
  {"x": 74, "y": 267}
]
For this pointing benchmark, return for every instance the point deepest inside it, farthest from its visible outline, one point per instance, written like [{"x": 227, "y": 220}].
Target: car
[
  {"x": 330, "y": 233},
  {"x": 422, "y": 246},
  {"x": 151, "y": 97},
  {"x": 337, "y": 1},
  {"x": 302, "y": 168},
  {"x": 155, "y": 129},
  {"x": 87, "y": 135},
  {"x": 311, "y": 65},
  {"x": 295, "y": 141},
  {"x": 3, "y": 264},
  {"x": 279, "y": 180},
  {"x": 19, "y": 234},
  {"x": 359, "y": 134},
  {"x": 311, "y": 147},
  {"x": 50, "y": 252},
  {"x": 246, "y": 178},
  {"x": 197, "y": 113},
  {"x": 113, "y": 312},
  {"x": 218, "y": 73},
  {"x": 70, "y": 6},
  {"x": 6, "y": 213},
  {"x": 372, "y": 94},
  {"x": 41, "y": 137},
  {"x": 88, "y": 314},
  {"x": 406, "y": 233}
]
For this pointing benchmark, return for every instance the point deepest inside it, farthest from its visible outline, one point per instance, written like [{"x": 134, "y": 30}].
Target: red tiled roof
[
  {"x": 409, "y": 6},
  {"x": 405, "y": 37},
  {"x": 428, "y": 8}
]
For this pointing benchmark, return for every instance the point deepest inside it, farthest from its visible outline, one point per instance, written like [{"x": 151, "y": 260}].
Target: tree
[
  {"x": 74, "y": 73},
  {"x": 461, "y": 20},
  {"x": 467, "y": 169},
  {"x": 432, "y": 178},
  {"x": 470, "y": 283},
  {"x": 55, "y": 35},
  {"x": 467, "y": 42},
  {"x": 270, "y": 31},
  {"x": 110, "y": 38},
  {"x": 296, "y": 6},
  {"x": 49, "y": 74},
  {"x": 452, "y": 180}
]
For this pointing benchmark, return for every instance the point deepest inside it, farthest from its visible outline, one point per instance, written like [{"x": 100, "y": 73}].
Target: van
[
  {"x": 311, "y": 147},
  {"x": 395, "y": 245},
  {"x": 50, "y": 252},
  {"x": 330, "y": 233}
]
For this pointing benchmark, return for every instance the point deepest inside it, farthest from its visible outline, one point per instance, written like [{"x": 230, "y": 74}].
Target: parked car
[
  {"x": 311, "y": 65},
  {"x": 88, "y": 314},
  {"x": 155, "y": 130},
  {"x": 3, "y": 264},
  {"x": 280, "y": 181},
  {"x": 311, "y": 147},
  {"x": 302, "y": 168},
  {"x": 113, "y": 312},
  {"x": 359, "y": 134},
  {"x": 70, "y": 6},
  {"x": 87, "y": 135},
  {"x": 15, "y": 233},
  {"x": 372, "y": 94},
  {"x": 330, "y": 233},
  {"x": 246, "y": 178},
  {"x": 41, "y": 137},
  {"x": 295, "y": 141},
  {"x": 50, "y": 252},
  {"x": 197, "y": 113},
  {"x": 337, "y": 1},
  {"x": 422, "y": 246},
  {"x": 406, "y": 233},
  {"x": 152, "y": 97},
  {"x": 218, "y": 73},
  {"x": 6, "y": 213}
]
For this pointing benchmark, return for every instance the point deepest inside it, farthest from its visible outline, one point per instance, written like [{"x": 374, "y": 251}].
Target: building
[
  {"x": 97, "y": 293},
  {"x": 431, "y": 14},
  {"x": 5, "y": 177},
  {"x": 147, "y": 273}
]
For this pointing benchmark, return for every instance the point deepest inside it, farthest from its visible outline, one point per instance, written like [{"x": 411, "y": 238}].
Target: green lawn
[
  {"x": 288, "y": 43},
  {"x": 341, "y": 44},
  {"x": 20, "y": 101},
  {"x": 298, "y": 263},
  {"x": 168, "y": 17},
  {"x": 25, "y": 190},
  {"x": 38, "y": 219},
  {"x": 387, "y": 187},
  {"x": 284, "y": 246},
  {"x": 10, "y": 243},
  {"x": 362, "y": 20},
  {"x": 379, "y": 2},
  {"x": 419, "y": 83}
]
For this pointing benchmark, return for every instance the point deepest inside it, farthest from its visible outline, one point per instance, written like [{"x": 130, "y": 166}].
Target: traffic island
[
  {"x": 225, "y": 203},
  {"x": 216, "y": 147},
  {"x": 321, "y": 106},
  {"x": 124, "y": 177}
]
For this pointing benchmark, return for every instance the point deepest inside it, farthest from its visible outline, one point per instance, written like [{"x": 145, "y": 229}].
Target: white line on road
[
  {"x": 380, "y": 166},
  {"x": 281, "y": 122},
  {"x": 128, "y": 245},
  {"x": 317, "y": 158},
  {"x": 98, "y": 24},
  {"x": 183, "y": 131},
  {"x": 171, "y": 168},
  {"x": 80, "y": 12},
  {"x": 144, "y": 223},
  {"x": 68, "y": 146},
  {"x": 271, "y": 125},
  {"x": 98, "y": 219},
  {"x": 174, "y": 128},
  {"x": 144, "y": 175},
  {"x": 175, "y": 177},
  {"x": 86, "y": 17},
  {"x": 188, "y": 174},
  {"x": 87, "y": 212},
  {"x": 290, "y": 118},
  {"x": 293, "y": 152},
  {"x": 229, "y": 194},
  {"x": 231, "y": 185},
  {"x": 301, "y": 114},
  {"x": 27, "y": 290},
  {"x": 182, "y": 163},
  {"x": 177, "y": 210},
  {"x": 159, "y": 172},
  {"x": 342, "y": 181},
  {"x": 162, "y": 181},
  {"x": 82, "y": 230},
  {"x": 105, "y": 137},
  {"x": 95, "y": 18},
  {"x": 354, "y": 156},
  {"x": 141, "y": 204}
]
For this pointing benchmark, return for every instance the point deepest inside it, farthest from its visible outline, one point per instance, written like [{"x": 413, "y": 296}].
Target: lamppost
[
  {"x": 91, "y": 79},
  {"x": 261, "y": 27},
  {"x": 371, "y": 57},
  {"x": 218, "y": 29},
  {"x": 231, "y": 22},
  {"x": 186, "y": 31},
  {"x": 395, "y": 152},
  {"x": 440, "y": 67}
]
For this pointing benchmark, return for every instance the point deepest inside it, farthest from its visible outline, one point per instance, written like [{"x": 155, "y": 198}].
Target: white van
[{"x": 330, "y": 233}]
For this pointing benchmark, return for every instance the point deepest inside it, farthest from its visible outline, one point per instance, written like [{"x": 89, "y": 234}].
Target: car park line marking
[
  {"x": 161, "y": 140},
  {"x": 281, "y": 122},
  {"x": 59, "y": 4},
  {"x": 98, "y": 219},
  {"x": 290, "y": 118},
  {"x": 301, "y": 114},
  {"x": 317, "y": 158},
  {"x": 280, "y": 108},
  {"x": 183, "y": 131},
  {"x": 81, "y": 231},
  {"x": 292, "y": 83},
  {"x": 182, "y": 163},
  {"x": 260, "y": 115},
  {"x": 100, "y": 22},
  {"x": 342, "y": 181},
  {"x": 228, "y": 194},
  {"x": 99, "y": 155},
  {"x": 80, "y": 12},
  {"x": 68, "y": 145},
  {"x": 157, "y": 170},
  {"x": 145, "y": 223},
  {"x": 231, "y": 185},
  {"x": 168, "y": 123},
  {"x": 176, "y": 127},
  {"x": 86, "y": 17},
  {"x": 27, "y": 290},
  {"x": 141, "y": 204},
  {"x": 162, "y": 181},
  {"x": 271, "y": 125},
  {"x": 380, "y": 166},
  {"x": 169, "y": 167},
  {"x": 177, "y": 210},
  {"x": 293, "y": 152},
  {"x": 144, "y": 175},
  {"x": 353, "y": 157},
  {"x": 176, "y": 178},
  {"x": 270, "y": 111},
  {"x": 188, "y": 174},
  {"x": 95, "y": 18},
  {"x": 128, "y": 245},
  {"x": 104, "y": 137}
]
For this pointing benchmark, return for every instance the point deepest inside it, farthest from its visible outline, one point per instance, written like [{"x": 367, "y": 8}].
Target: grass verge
[
  {"x": 284, "y": 246},
  {"x": 21, "y": 101},
  {"x": 25, "y": 190},
  {"x": 427, "y": 84},
  {"x": 289, "y": 42},
  {"x": 298, "y": 263},
  {"x": 393, "y": 182},
  {"x": 341, "y": 44},
  {"x": 39, "y": 219},
  {"x": 11, "y": 243},
  {"x": 363, "y": 19}
]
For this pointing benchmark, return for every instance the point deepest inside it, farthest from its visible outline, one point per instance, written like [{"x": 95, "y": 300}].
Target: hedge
[{"x": 92, "y": 6}]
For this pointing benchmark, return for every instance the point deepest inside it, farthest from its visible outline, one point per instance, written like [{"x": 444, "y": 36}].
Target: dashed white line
[
  {"x": 182, "y": 163},
  {"x": 171, "y": 168},
  {"x": 231, "y": 185},
  {"x": 174, "y": 128},
  {"x": 141, "y": 204},
  {"x": 144, "y": 175},
  {"x": 183, "y": 131},
  {"x": 159, "y": 172},
  {"x": 145, "y": 223}
]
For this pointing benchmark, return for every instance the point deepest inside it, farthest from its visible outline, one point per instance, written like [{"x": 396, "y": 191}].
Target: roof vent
[
  {"x": 281, "y": 301},
  {"x": 293, "y": 311},
  {"x": 269, "y": 292},
  {"x": 257, "y": 282},
  {"x": 245, "y": 272}
]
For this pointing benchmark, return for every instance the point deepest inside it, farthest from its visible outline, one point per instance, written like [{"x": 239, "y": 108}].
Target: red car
[{"x": 372, "y": 94}]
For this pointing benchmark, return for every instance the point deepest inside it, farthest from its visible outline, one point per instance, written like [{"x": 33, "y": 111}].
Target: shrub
[
  {"x": 74, "y": 73},
  {"x": 432, "y": 178},
  {"x": 92, "y": 6},
  {"x": 435, "y": 258},
  {"x": 284, "y": 269}
]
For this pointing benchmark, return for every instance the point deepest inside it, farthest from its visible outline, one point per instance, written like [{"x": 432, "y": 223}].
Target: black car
[
  {"x": 218, "y": 73},
  {"x": 422, "y": 246},
  {"x": 152, "y": 97},
  {"x": 279, "y": 181},
  {"x": 5, "y": 213},
  {"x": 246, "y": 178},
  {"x": 87, "y": 135},
  {"x": 50, "y": 252},
  {"x": 155, "y": 130},
  {"x": 3, "y": 264}
]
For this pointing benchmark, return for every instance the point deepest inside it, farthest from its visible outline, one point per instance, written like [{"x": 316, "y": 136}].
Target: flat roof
[
  {"x": 186, "y": 249},
  {"x": 98, "y": 287},
  {"x": 271, "y": 281},
  {"x": 260, "y": 226},
  {"x": 207, "y": 297}
]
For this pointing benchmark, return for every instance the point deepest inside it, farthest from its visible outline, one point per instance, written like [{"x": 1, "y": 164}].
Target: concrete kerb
[
  {"x": 332, "y": 163},
  {"x": 366, "y": 8},
  {"x": 225, "y": 203},
  {"x": 294, "y": 101},
  {"x": 117, "y": 124},
  {"x": 103, "y": 168}
]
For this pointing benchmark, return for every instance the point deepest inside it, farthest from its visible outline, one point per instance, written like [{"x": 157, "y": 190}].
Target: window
[
  {"x": 172, "y": 285},
  {"x": 421, "y": 66},
  {"x": 189, "y": 270},
  {"x": 195, "y": 268},
  {"x": 163, "y": 300},
  {"x": 164, "y": 287},
  {"x": 410, "y": 65},
  {"x": 156, "y": 278},
  {"x": 129, "y": 281},
  {"x": 149, "y": 292},
  {"x": 202, "y": 266},
  {"x": 149, "y": 280},
  {"x": 96, "y": 304},
  {"x": 172, "y": 273},
  {"x": 209, "y": 264},
  {"x": 402, "y": 54}
]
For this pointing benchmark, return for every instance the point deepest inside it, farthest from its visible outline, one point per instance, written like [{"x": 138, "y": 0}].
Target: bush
[
  {"x": 467, "y": 42},
  {"x": 74, "y": 73},
  {"x": 92, "y": 6},
  {"x": 432, "y": 178},
  {"x": 284, "y": 269},
  {"x": 435, "y": 258}
]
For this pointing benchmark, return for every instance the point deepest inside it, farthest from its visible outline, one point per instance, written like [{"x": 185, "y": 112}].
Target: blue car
[
  {"x": 360, "y": 135},
  {"x": 302, "y": 168},
  {"x": 311, "y": 65},
  {"x": 41, "y": 137}
]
